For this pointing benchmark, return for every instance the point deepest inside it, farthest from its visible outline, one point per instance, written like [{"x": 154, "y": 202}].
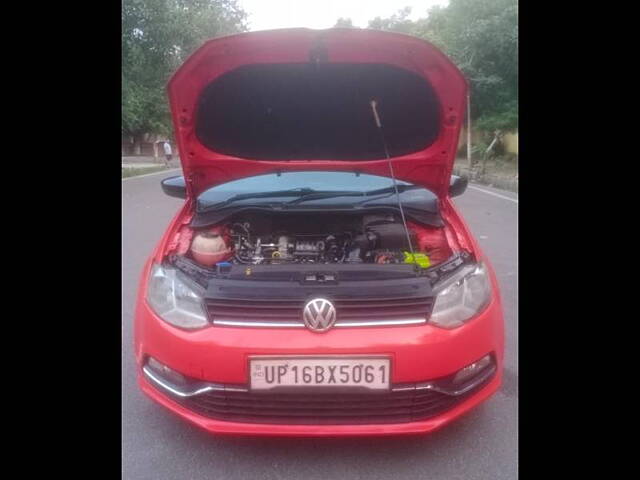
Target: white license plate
[{"x": 267, "y": 373}]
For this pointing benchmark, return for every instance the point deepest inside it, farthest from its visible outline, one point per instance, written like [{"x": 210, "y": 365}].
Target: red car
[{"x": 318, "y": 280}]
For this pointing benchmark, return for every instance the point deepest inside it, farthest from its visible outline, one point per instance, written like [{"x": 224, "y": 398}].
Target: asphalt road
[{"x": 481, "y": 445}]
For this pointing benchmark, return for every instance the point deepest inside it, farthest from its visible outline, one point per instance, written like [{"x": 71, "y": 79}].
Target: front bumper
[
  {"x": 256, "y": 429},
  {"x": 220, "y": 355}
]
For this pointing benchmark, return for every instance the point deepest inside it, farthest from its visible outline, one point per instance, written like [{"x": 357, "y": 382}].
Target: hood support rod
[{"x": 376, "y": 117}]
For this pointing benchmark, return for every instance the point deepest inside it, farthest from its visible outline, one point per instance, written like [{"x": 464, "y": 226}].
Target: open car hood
[{"x": 299, "y": 99}]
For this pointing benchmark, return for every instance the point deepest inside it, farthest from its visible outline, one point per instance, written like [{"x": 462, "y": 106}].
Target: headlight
[
  {"x": 173, "y": 300},
  {"x": 461, "y": 296}
]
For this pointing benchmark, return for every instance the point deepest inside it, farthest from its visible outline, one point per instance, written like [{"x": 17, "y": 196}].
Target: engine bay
[{"x": 263, "y": 238}]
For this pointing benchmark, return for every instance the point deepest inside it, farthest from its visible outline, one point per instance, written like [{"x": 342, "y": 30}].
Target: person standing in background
[{"x": 167, "y": 152}]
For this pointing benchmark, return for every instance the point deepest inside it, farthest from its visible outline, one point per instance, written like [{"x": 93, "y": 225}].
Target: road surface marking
[
  {"x": 494, "y": 194},
  {"x": 149, "y": 174}
]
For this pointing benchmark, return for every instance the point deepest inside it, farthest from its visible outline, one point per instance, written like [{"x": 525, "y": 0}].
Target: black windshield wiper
[
  {"x": 391, "y": 189},
  {"x": 370, "y": 193},
  {"x": 293, "y": 192},
  {"x": 321, "y": 195}
]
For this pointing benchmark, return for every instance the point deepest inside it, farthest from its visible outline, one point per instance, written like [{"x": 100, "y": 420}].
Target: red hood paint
[{"x": 204, "y": 168}]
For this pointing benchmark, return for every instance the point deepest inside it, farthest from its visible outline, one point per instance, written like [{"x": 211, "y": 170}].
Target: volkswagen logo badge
[{"x": 319, "y": 315}]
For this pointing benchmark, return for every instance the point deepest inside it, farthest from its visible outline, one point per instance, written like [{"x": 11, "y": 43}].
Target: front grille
[
  {"x": 397, "y": 406},
  {"x": 350, "y": 312}
]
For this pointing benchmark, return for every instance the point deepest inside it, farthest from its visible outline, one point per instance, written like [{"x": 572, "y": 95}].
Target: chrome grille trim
[
  {"x": 240, "y": 323},
  {"x": 209, "y": 387},
  {"x": 287, "y": 313},
  {"x": 404, "y": 321},
  {"x": 205, "y": 387}
]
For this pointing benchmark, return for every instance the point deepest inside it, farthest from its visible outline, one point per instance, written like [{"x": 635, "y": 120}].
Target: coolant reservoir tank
[{"x": 209, "y": 247}]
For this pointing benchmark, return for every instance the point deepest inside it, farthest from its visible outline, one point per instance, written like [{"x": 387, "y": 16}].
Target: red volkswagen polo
[{"x": 318, "y": 279}]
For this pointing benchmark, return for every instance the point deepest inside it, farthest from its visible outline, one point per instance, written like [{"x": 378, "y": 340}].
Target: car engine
[{"x": 264, "y": 238}]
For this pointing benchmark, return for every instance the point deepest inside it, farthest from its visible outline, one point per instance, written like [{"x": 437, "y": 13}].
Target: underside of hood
[{"x": 299, "y": 99}]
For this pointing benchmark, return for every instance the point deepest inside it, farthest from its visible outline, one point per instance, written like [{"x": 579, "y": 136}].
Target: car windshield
[{"x": 301, "y": 187}]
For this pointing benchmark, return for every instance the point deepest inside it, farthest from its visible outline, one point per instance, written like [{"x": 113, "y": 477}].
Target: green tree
[
  {"x": 398, "y": 22},
  {"x": 481, "y": 37},
  {"x": 344, "y": 23},
  {"x": 157, "y": 36}
]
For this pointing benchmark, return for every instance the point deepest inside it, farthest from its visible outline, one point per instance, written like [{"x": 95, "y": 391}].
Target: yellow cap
[{"x": 420, "y": 259}]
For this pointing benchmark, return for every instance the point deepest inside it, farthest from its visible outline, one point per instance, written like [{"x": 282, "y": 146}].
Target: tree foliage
[
  {"x": 344, "y": 23},
  {"x": 157, "y": 36},
  {"x": 398, "y": 22},
  {"x": 481, "y": 37}
]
